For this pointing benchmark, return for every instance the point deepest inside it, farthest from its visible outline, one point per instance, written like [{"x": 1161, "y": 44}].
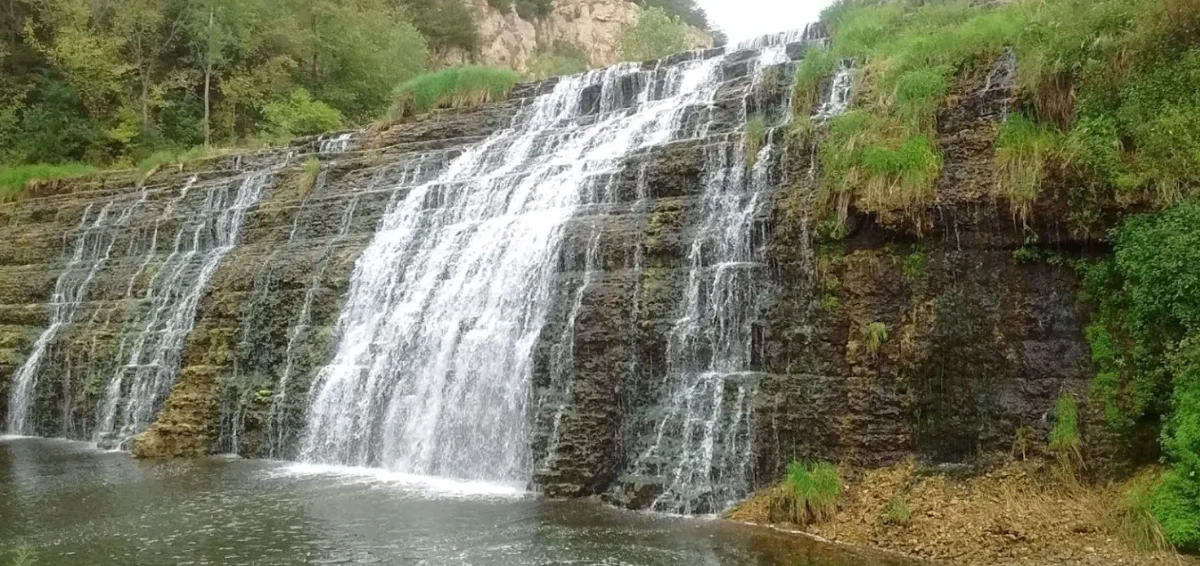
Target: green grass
[
  {"x": 454, "y": 87},
  {"x": 308, "y": 179},
  {"x": 1064, "y": 442},
  {"x": 1023, "y": 148},
  {"x": 173, "y": 157},
  {"x": 818, "y": 64},
  {"x": 874, "y": 335},
  {"x": 756, "y": 134},
  {"x": 897, "y": 512},
  {"x": 14, "y": 179},
  {"x": 814, "y": 488},
  {"x": 1137, "y": 523}
]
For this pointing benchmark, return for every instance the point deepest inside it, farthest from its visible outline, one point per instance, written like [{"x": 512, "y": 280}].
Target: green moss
[{"x": 454, "y": 87}]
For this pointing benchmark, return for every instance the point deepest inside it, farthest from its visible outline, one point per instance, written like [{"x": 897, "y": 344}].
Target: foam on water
[{"x": 426, "y": 486}]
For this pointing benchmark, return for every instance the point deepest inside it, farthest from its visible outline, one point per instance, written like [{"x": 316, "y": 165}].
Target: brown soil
[{"x": 1019, "y": 514}]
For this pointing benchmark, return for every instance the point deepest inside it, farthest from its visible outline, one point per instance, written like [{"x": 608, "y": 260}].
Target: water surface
[{"x": 75, "y": 505}]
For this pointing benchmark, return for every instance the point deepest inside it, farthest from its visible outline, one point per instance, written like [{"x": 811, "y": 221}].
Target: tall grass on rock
[
  {"x": 813, "y": 489},
  {"x": 1064, "y": 442},
  {"x": 453, "y": 87},
  {"x": 13, "y": 180}
]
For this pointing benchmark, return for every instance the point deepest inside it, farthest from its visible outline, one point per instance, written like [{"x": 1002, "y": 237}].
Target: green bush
[
  {"x": 13, "y": 179},
  {"x": 814, "y": 488},
  {"x": 654, "y": 35},
  {"x": 300, "y": 114},
  {"x": 453, "y": 87},
  {"x": 1145, "y": 342}
]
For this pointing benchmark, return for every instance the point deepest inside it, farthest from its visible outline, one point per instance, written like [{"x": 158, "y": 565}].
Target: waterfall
[
  {"x": 91, "y": 249},
  {"x": 431, "y": 373},
  {"x": 148, "y": 369},
  {"x": 701, "y": 451}
]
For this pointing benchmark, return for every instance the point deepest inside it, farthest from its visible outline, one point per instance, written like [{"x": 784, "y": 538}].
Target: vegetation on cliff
[
  {"x": 1106, "y": 114},
  {"x": 453, "y": 87},
  {"x": 655, "y": 34},
  {"x": 1145, "y": 340},
  {"x": 1106, "y": 95}
]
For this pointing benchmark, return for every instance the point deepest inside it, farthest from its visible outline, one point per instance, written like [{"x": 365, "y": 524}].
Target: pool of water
[{"x": 70, "y": 504}]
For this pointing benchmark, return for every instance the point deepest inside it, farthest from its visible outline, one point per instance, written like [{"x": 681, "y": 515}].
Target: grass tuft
[
  {"x": 875, "y": 334},
  {"x": 756, "y": 134},
  {"x": 13, "y": 180},
  {"x": 1064, "y": 441},
  {"x": 312, "y": 171},
  {"x": 1023, "y": 148},
  {"x": 454, "y": 87},
  {"x": 897, "y": 512},
  {"x": 1136, "y": 521},
  {"x": 814, "y": 488}
]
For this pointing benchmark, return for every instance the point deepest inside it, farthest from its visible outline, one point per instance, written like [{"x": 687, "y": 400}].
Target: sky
[{"x": 744, "y": 19}]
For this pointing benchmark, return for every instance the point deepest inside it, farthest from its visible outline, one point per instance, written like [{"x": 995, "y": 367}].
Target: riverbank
[{"x": 1020, "y": 514}]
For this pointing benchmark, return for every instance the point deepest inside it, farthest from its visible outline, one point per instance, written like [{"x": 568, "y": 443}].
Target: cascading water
[
  {"x": 433, "y": 361},
  {"x": 92, "y": 247},
  {"x": 148, "y": 369},
  {"x": 701, "y": 451}
]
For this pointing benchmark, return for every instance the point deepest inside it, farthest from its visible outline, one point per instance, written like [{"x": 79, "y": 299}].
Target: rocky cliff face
[
  {"x": 590, "y": 26},
  {"x": 928, "y": 340}
]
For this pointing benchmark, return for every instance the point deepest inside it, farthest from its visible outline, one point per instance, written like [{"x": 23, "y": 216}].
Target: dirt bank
[{"x": 1020, "y": 514}]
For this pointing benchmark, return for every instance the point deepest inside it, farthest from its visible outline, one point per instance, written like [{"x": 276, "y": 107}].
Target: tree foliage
[
  {"x": 655, "y": 34},
  {"x": 104, "y": 81}
]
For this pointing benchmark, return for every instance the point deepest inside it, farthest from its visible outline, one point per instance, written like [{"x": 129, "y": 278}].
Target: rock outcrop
[{"x": 588, "y": 26}]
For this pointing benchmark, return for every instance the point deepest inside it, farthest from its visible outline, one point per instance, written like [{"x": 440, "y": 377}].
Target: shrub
[
  {"x": 913, "y": 268},
  {"x": 300, "y": 114},
  {"x": 654, "y": 35},
  {"x": 14, "y": 179},
  {"x": 756, "y": 133},
  {"x": 453, "y": 87},
  {"x": 814, "y": 488}
]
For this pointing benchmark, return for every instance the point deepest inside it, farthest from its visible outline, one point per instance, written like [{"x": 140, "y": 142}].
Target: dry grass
[{"x": 1020, "y": 513}]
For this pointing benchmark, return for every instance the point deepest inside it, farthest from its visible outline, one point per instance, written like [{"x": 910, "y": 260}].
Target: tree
[{"x": 654, "y": 35}]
